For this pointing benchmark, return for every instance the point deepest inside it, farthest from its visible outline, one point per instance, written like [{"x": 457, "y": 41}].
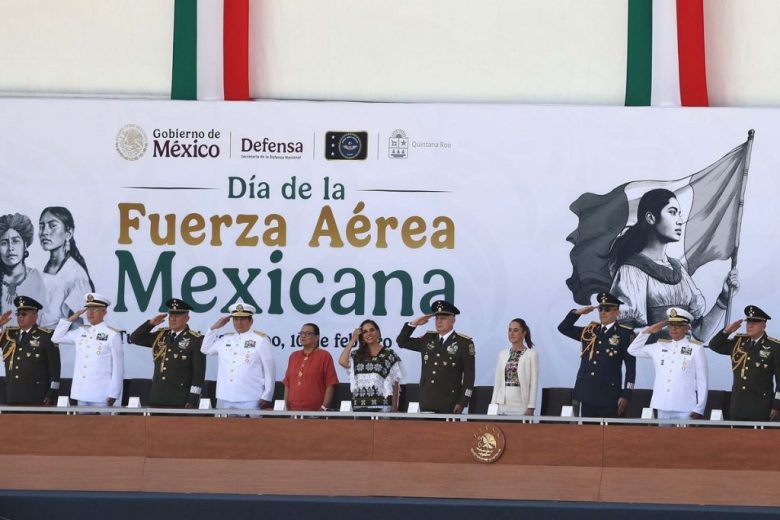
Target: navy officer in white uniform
[
  {"x": 99, "y": 368},
  {"x": 246, "y": 374},
  {"x": 680, "y": 388}
]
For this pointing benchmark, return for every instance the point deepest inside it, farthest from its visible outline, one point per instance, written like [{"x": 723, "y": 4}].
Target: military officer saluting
[
  {"x": 447, "y": 374},
  {"x": 246, "y": 374},
  {"x": 98, "y": 370},
  {"x": 680, "y": 387},
  {"x": 755, "y": 360},
  {"x": 179, "y": 365},
  {"x": 600, "y": 387},
  {"x": 32, "y": 360}
]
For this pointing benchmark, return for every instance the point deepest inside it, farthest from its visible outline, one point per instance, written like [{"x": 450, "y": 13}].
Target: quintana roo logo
[{"x": 131, "y": 142}]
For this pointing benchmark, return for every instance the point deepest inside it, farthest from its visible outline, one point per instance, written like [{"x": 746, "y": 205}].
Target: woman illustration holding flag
[{"x": 649, "y": 282}]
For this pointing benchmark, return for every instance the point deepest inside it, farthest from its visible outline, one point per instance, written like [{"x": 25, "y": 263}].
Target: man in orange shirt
[{"x": 311, "y": 376}]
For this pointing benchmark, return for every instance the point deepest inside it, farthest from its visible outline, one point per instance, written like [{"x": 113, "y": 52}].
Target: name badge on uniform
[
  {"x": 452, "y": 348},
  {"x": 686, "y": 351},
  {"x": 250, "y": 343},
  {"x": 101, "y": 336}
]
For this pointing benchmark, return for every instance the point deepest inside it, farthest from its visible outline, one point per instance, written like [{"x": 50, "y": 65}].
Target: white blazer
[{"x": 527, "y": 373}]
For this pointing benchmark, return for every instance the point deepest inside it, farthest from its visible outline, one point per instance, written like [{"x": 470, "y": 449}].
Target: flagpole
[{"x": 740, "y": 208}]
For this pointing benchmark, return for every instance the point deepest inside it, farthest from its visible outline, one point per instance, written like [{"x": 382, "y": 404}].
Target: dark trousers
[{"x": 592, "y": 410}]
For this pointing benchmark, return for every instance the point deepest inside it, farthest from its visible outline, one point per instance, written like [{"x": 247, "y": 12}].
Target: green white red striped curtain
[{"x": 633, "y": 52}]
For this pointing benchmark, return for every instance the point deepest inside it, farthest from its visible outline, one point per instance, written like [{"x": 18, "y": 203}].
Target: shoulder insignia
[
  {"x": 83, "y": 325},
  {"x": 431, "y": 332},
  {"x": 743, "y": 336},
  {"x": 47, "y": 331},
  {"x": 260, "y": 333},
  {"x": 195, "y": 333},
  {"x": 627, "y": 327},
  {"x": 774, "y": 340},
  {"x": 112, "y": 328},
  {"x": 11, "y": 329},
  {"x": 695, "y": 341},
  {"x": 594, "y": 324},
  {"x": 229, "y": 334},
  {"x": 664, "y": 341},
  {"x": 463, "y": 335}
]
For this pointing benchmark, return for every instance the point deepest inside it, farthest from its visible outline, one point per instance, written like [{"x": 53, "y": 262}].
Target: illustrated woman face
[
  {"x": 12, "y": 248},
  {"x": 516, "y": 333},
  {"x": 668, "y": 224},
  {"x": 52, "y": 232}
]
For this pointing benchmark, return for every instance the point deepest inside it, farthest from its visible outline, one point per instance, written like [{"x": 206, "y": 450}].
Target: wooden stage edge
[{"x": 382, "y": 458}]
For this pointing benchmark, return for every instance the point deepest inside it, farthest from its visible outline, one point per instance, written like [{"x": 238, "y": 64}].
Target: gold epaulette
[
  {"x": 594, "y": 324},
  {"x": 742, "y": 335},
  {"x": 695, "y": 341},
  {"x": 774, "y": 340},
  {"x": 47, "y": 331},
  {"x": 431, "y": 332},
  {"x": 463, "y": 335},
  {"x": 664, "y": 341},
  {"x": 260, "y": 333},
  {"x": 195, "y": 333},
  {"x": 9, "y": 329},
  {"x": 627, "y": 327}
]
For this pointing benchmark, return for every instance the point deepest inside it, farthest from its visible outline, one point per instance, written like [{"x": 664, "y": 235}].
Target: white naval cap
[
  {"x": 241, "y": 310},
  {"x": 678, "y": 315},
  {"x": 94, "y": 299}
]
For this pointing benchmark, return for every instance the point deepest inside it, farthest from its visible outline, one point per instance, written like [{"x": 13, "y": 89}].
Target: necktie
[
  {"x": 22, "y": 335},
  {"x": 603, "y": 329},
  {"x": 441, "y": 341},
  {"x": 171, "y": 337}
]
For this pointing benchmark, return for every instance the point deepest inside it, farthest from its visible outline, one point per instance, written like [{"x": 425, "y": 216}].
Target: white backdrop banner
[{"x": 334, "y": 212}]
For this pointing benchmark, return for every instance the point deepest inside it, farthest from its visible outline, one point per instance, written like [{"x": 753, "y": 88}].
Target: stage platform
[{"x": 628, "y": 462}]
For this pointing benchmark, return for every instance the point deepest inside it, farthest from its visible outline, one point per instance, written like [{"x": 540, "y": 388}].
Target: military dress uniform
[
  {"x": 246, "y": 372},
  {"x": 447, "y": 373},
  {"x": 179, "y": 365},
  {"x": 755, "y": 364},
  {"x": 32, "y": 361},
  {"x": 680, "y": 384},
  {"x": 98, "y": 372},
  {"x": 604, "y": 350}
]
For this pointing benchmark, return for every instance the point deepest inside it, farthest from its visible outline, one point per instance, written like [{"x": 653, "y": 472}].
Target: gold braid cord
[
  {"x": 11, "y": 350},
  {"x": 588, "y": 335},
  {"x": 739, "y": 358},
  {"x": 160, "y": 348}
]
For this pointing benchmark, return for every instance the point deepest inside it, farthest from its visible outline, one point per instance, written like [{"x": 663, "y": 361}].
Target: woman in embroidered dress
[
  {"x": 517, "y": 373},
  {"x": 375, "y": 371},
  {"x": 16, "y": 235},
  {"x": 65, "y": 274},
  {"x": 649, "y": 282}
]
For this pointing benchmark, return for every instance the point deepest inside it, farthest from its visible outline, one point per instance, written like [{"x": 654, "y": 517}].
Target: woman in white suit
[{"x": 517, "y": 373}]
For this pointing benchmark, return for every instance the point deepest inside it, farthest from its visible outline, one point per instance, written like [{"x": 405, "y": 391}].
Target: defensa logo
[
  {"x": 175, "y": 143},
  {"x": 267, "y": 148},
  {"x": 131, "y": 142},
  {"x": 346, "y": 146}
]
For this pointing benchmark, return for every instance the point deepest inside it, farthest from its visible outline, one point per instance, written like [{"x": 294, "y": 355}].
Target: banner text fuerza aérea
[{"x": 137, "y": 226}]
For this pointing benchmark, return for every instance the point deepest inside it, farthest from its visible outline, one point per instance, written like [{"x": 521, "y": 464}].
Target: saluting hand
[
  {"x": 355, "y": 336},
  {"x": 584, "y": 310},
  {"x": 220, "y": 322},
  {"x": 157, "y": 319},
  {"x": 5, "y": 318},
  {"x": 422, "y": 320},
  {"x": 76, "y": 315},
  {"x": 733, "y": 327},
  {"x": 656, "y": 327}
]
